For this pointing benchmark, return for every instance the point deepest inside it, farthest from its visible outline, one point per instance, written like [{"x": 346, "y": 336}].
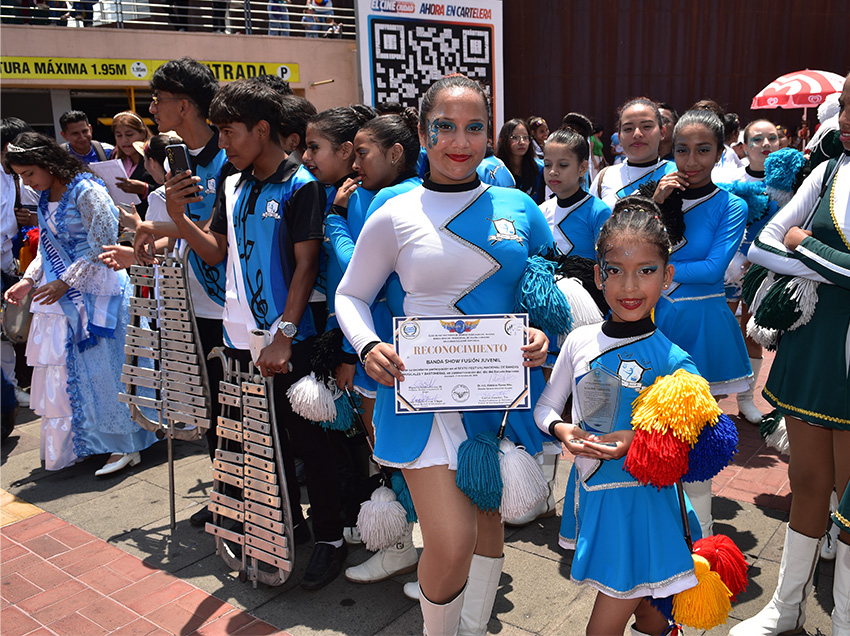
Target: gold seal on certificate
[{"x": 462, "y": 363}]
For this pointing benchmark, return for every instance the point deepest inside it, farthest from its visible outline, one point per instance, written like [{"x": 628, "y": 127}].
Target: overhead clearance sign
[{"x": 87, "y": 68}]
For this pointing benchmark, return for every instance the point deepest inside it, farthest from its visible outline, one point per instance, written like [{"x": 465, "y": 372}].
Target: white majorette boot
[
  {"x": 841, "y": 591},
  {"x": 786, "y": 612},
  {"x": 484, "y": 574},
  {"x": 699, "y": 494},
  {"x": 411, "y": 590},
  {"x": 545, "y": 508},
  {"x": 400, "y": 558},
  {"x": 746, "y": 407},
  {"x": 441, "y": 619},
  {"x": 829, "y": 547}
]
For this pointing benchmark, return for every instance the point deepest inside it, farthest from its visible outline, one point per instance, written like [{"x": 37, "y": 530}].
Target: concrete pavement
[{"x": 125, "y": 516}]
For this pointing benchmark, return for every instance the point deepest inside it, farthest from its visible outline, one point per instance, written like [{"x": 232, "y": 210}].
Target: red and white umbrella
[{"x": 803, "y": 89}]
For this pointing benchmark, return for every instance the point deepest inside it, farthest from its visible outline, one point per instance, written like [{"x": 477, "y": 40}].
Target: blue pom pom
[
  {"x": 714, "y": 450},
  {"x": 539, "y": 297},
  {"x": 753, "y": 193},
  {"x": 663, "y": 605},
  {"x": 479, "y": 475},
  {"x": 402, "y": 495},
  {"x": 781, "y": 168},
  {"x": 344, "y": 414}
]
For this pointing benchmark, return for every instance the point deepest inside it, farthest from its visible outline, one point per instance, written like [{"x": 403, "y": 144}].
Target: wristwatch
[{"x": 288, "y": 329}]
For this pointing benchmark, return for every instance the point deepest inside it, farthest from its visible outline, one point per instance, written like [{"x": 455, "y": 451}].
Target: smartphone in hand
[{"x": 178, "y": 158}]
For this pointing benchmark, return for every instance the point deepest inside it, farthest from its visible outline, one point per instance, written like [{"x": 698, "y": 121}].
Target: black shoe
[
  {"x": 325, "y": 565},
  {"x": 201, "y": 518},
  {"x": 301, "y": 533}
]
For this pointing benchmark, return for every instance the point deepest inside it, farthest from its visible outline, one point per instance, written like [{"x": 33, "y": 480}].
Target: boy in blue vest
[
  {"x": 181, "y": 93},
  {"x": 267, "y": 224}
]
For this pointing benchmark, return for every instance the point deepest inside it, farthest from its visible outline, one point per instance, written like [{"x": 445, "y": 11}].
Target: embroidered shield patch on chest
[
  {"x": 272, "y": 208},
  {"x": 505, "y": 231}
]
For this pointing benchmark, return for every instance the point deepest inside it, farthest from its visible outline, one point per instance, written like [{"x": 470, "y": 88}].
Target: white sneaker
[{"x": 22, "y": 397}]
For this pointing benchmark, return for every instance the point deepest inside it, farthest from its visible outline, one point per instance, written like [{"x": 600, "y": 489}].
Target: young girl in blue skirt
[{"x": 628, "y": 538}]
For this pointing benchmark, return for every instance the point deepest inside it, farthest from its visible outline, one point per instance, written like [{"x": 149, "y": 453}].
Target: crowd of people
[{"x": 305, "y": 223}]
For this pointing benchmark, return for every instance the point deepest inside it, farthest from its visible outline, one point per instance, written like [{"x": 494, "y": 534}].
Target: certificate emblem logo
[
  {"x": 210, "y": 189},
  {"x": 460, "y": 393},
  {"x": 271, "y": 210},
  {"x": 513, "y": 326},
  {"x": 459, "y": 326},
  {"x": 410, "y": 330},
  {"x": 505, "y": 231}
]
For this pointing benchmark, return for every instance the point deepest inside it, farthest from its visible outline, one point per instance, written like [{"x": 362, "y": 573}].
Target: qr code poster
[{"x": 405, "y": 46}]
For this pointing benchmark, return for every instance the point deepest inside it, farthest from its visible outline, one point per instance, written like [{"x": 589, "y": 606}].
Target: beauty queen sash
[{"x": 90, "y": 316}]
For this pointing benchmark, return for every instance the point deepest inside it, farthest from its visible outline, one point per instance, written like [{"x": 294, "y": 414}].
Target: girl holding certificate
[{"x": 443, "y": 241}]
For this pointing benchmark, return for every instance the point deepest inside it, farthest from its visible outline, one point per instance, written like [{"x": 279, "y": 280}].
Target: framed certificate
[{"x": 461, "y": 363}]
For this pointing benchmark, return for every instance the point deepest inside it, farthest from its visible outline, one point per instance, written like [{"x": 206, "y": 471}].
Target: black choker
[
  {"x": 644, "y": 164},
  {"x": 700, "y": 192},
  {"x": 572, "y": 199},
  {"x": 628, "y": 329},
  {"x": 450, "y": 187}
]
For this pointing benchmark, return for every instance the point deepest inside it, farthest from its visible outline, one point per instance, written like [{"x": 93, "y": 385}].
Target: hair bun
[
  {"x": 578, "y": 123},
  {"x": 363, "y": 113},
  {"x": 410, "y": 116}
]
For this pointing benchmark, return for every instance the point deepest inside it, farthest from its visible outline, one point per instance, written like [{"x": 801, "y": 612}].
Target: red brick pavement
[{"x": 60, "y": 580}]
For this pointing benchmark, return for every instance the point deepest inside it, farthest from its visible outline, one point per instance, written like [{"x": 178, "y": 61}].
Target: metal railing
[{"x": 251, "y": 17}]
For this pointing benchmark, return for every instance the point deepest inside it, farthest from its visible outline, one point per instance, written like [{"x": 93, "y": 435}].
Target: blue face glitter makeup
[
  {"x": 435, "y": 128},
  {"x": 432, "y": 134}
]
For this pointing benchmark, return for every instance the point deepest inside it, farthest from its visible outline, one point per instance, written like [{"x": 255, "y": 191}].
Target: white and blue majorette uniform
[
  {"x": 76, "y": 345},
  {"x": 623, "y": 179},
  {"x": 575, "y": 222},
  {"x": 457, "y": 249},
  {"x": 693, "y": 312},
  {"x": 734, "y": 276},
  {"x": 493, "y": 170},
  {"x": 340, "y": 237},
  {"x": 628, "y": 538}
]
